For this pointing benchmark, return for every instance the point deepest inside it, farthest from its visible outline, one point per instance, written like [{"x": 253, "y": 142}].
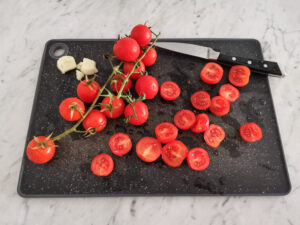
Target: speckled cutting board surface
[{"x": 236, "y": 167}]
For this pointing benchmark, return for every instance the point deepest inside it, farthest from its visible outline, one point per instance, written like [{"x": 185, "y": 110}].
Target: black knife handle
[{"x": 259, "y": 66}]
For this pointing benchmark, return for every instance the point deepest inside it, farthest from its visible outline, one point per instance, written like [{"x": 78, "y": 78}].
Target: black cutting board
[{"x": 236, "y": 167}]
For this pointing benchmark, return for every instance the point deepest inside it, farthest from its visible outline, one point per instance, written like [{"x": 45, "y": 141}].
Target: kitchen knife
[{"x": 258, "y": 66}]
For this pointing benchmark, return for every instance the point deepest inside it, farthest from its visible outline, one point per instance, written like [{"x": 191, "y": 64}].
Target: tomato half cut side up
[
  {"x": 219, "y": 106},
  {"x": 211, "y": 73},
  {"x": 184, "y": 119},
  {"x": 214, "y": 135},
  {"x": 120, "y": 144},
  {"x": 198, "y": 159},
  {"x": 174, "y": 153},
  {"x": 102, "y": 165},
  {"x": 169, "y": 90},
  {"x": 229, "y": 92},
  {"x": 148, "y": 149},
  {"x": 251, "y": 132},
  {"x": 201, "y": 124},
  {"x": 166, "y": 132},
  {"x": 239, "y": 75},
  {"x": 201, "y": 100}
]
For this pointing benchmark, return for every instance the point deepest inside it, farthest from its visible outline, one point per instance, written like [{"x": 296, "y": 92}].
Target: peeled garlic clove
[
  {"x": 88, "y": 66},
  {"x": 66, "y": 63},
  {"x": 79, "y": 75}
]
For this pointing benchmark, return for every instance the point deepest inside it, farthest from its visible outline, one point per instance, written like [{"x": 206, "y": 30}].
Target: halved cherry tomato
[
  {"x": 147, "y": 85},
  {"x": 40, "y": 150},
  {"x": 239, "y": 75},
  {"x": 174, "y": 153},
  {"x": 141, "y": 111},
  {"x": 148, "y": 149},
  {"x": 120, "y": 144},
  {"x": 102, "y": 165},
  {"x": 142, "y": 34},
  {"x": 136, "y": 73},
  {"x": 198, "y": 159},
  {"x": 219, "y": 106},
  {"x": 71, "y": 109},
  {"x": 166, "y": 132},
  {"x": 201, "y": 124},
  {"x": 214, "y": 135},
  {"x": 169, "y": 90},
  {"x": 95, "y": 120},
  {"x": 112, "y": 109},
  {"x": 250, "y": 132},
  {"x": 87, "y": 91},
  {"x": 116, "y": 86},
  {"x": 229, "y": 92},
  {"x": 184, "y": 119},
  {"x": 211, "y": 73},
  {"x": 150, "y": 57},
  {"x": 126, "y": 49},
  {"x": 201, "y": 100}
]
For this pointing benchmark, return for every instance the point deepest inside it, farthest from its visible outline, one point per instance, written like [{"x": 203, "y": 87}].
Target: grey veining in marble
[{"x": 25, "y": 26}]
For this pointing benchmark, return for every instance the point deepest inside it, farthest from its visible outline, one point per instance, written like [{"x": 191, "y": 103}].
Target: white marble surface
[{"x": 26, "y": 25}]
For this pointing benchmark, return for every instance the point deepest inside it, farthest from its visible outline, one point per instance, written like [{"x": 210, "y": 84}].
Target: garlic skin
[
  {"x": 87, "y": 66},
  {"x": 66, "y": 63}
]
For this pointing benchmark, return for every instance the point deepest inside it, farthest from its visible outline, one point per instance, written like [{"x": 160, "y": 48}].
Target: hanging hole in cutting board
[{"x": 58, "y": 50}]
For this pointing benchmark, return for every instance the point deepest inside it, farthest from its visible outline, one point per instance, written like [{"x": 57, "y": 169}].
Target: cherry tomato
[
  {"x": 250, "y": 132},
  {"x": 169, "y": 90},
  {"x": 201, "y": 100},
  {"x": 219, "y": 106},
  {"x": 198, "y": 159},
  {"x": 239, "y": 75},
  {"x": 174, "y": 153},
  {"x": 211, "y": 73},
  {"x": 120, "y": 144},
  {"x": 142, "y": 34},
  {"x": 229, "y": 92},
  {"x": 102, "y": 165},
  {"x": 166, "y": 132},
  {"x": 214, "y": 135},
  {"x": 184, "y": 119},
  {"x": 136, "y": 73},
  {"x": 117, "y": 86},
  {"x": 201, "y": 124},
  {"x": 126, "y": 49},
  {"x": 150, "y": 57},
  {"x": 95, "y": 119},
  {"x": 113, "y": 109},
  {"x": 40, "y": 150},
  {"x": 141, "y": 111},
  {"x": 71, "y": 109},
  {"x": 87, "y": 91},
  {"x": 148, "y": 149},
  {"x": 147, "y": 85}
]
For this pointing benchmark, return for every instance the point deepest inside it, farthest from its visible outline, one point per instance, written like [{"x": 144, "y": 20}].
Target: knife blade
[{"x": 259, "y": 66}]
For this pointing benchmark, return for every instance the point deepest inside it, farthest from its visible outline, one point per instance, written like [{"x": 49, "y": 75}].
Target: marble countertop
[{"x": 25, "y": 26}]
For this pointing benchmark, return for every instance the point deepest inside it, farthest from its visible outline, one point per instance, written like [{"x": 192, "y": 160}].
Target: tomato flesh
[
  {"x": 116, "y": 86},
  {"x": 95, "y": 120},
  {"x": 148, "y": 149},
  {"x": 71, "y": 109},
  {"x": 174, "y": 153},
  {"x": 147, "y": 85},
  {"x": 87, "y": 91},
  {"x": 251, "y": 132},
  {"x": 102, "y": 165},
  {"x": 141, "y": 111},
  {"x": 214, "y": 135},
  {"x": 184, "y": 119},
  {"x": 112, "y": 109},
  {"x": 239, "y": 75},
  {"x": 229, "y": 92},
  {"x": 219, "y": 106},
  {"x": 201, "y": 124},
  {"x": 201, "y": 100},
  {"x": 211, "y": 73},
  {"x": 150, "y": 57},
  {"x": 126, "y": 49},
  {"x": 40, "y": 154},
  {"x": 169, "y": 91},
  {"x": 120, "y": 144},
  {"x": 136, "y": 72},
  {"x": 166, "y": 132},
  {"x": 142, "y": 34},
  {"x": 198, "y": 159}
]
